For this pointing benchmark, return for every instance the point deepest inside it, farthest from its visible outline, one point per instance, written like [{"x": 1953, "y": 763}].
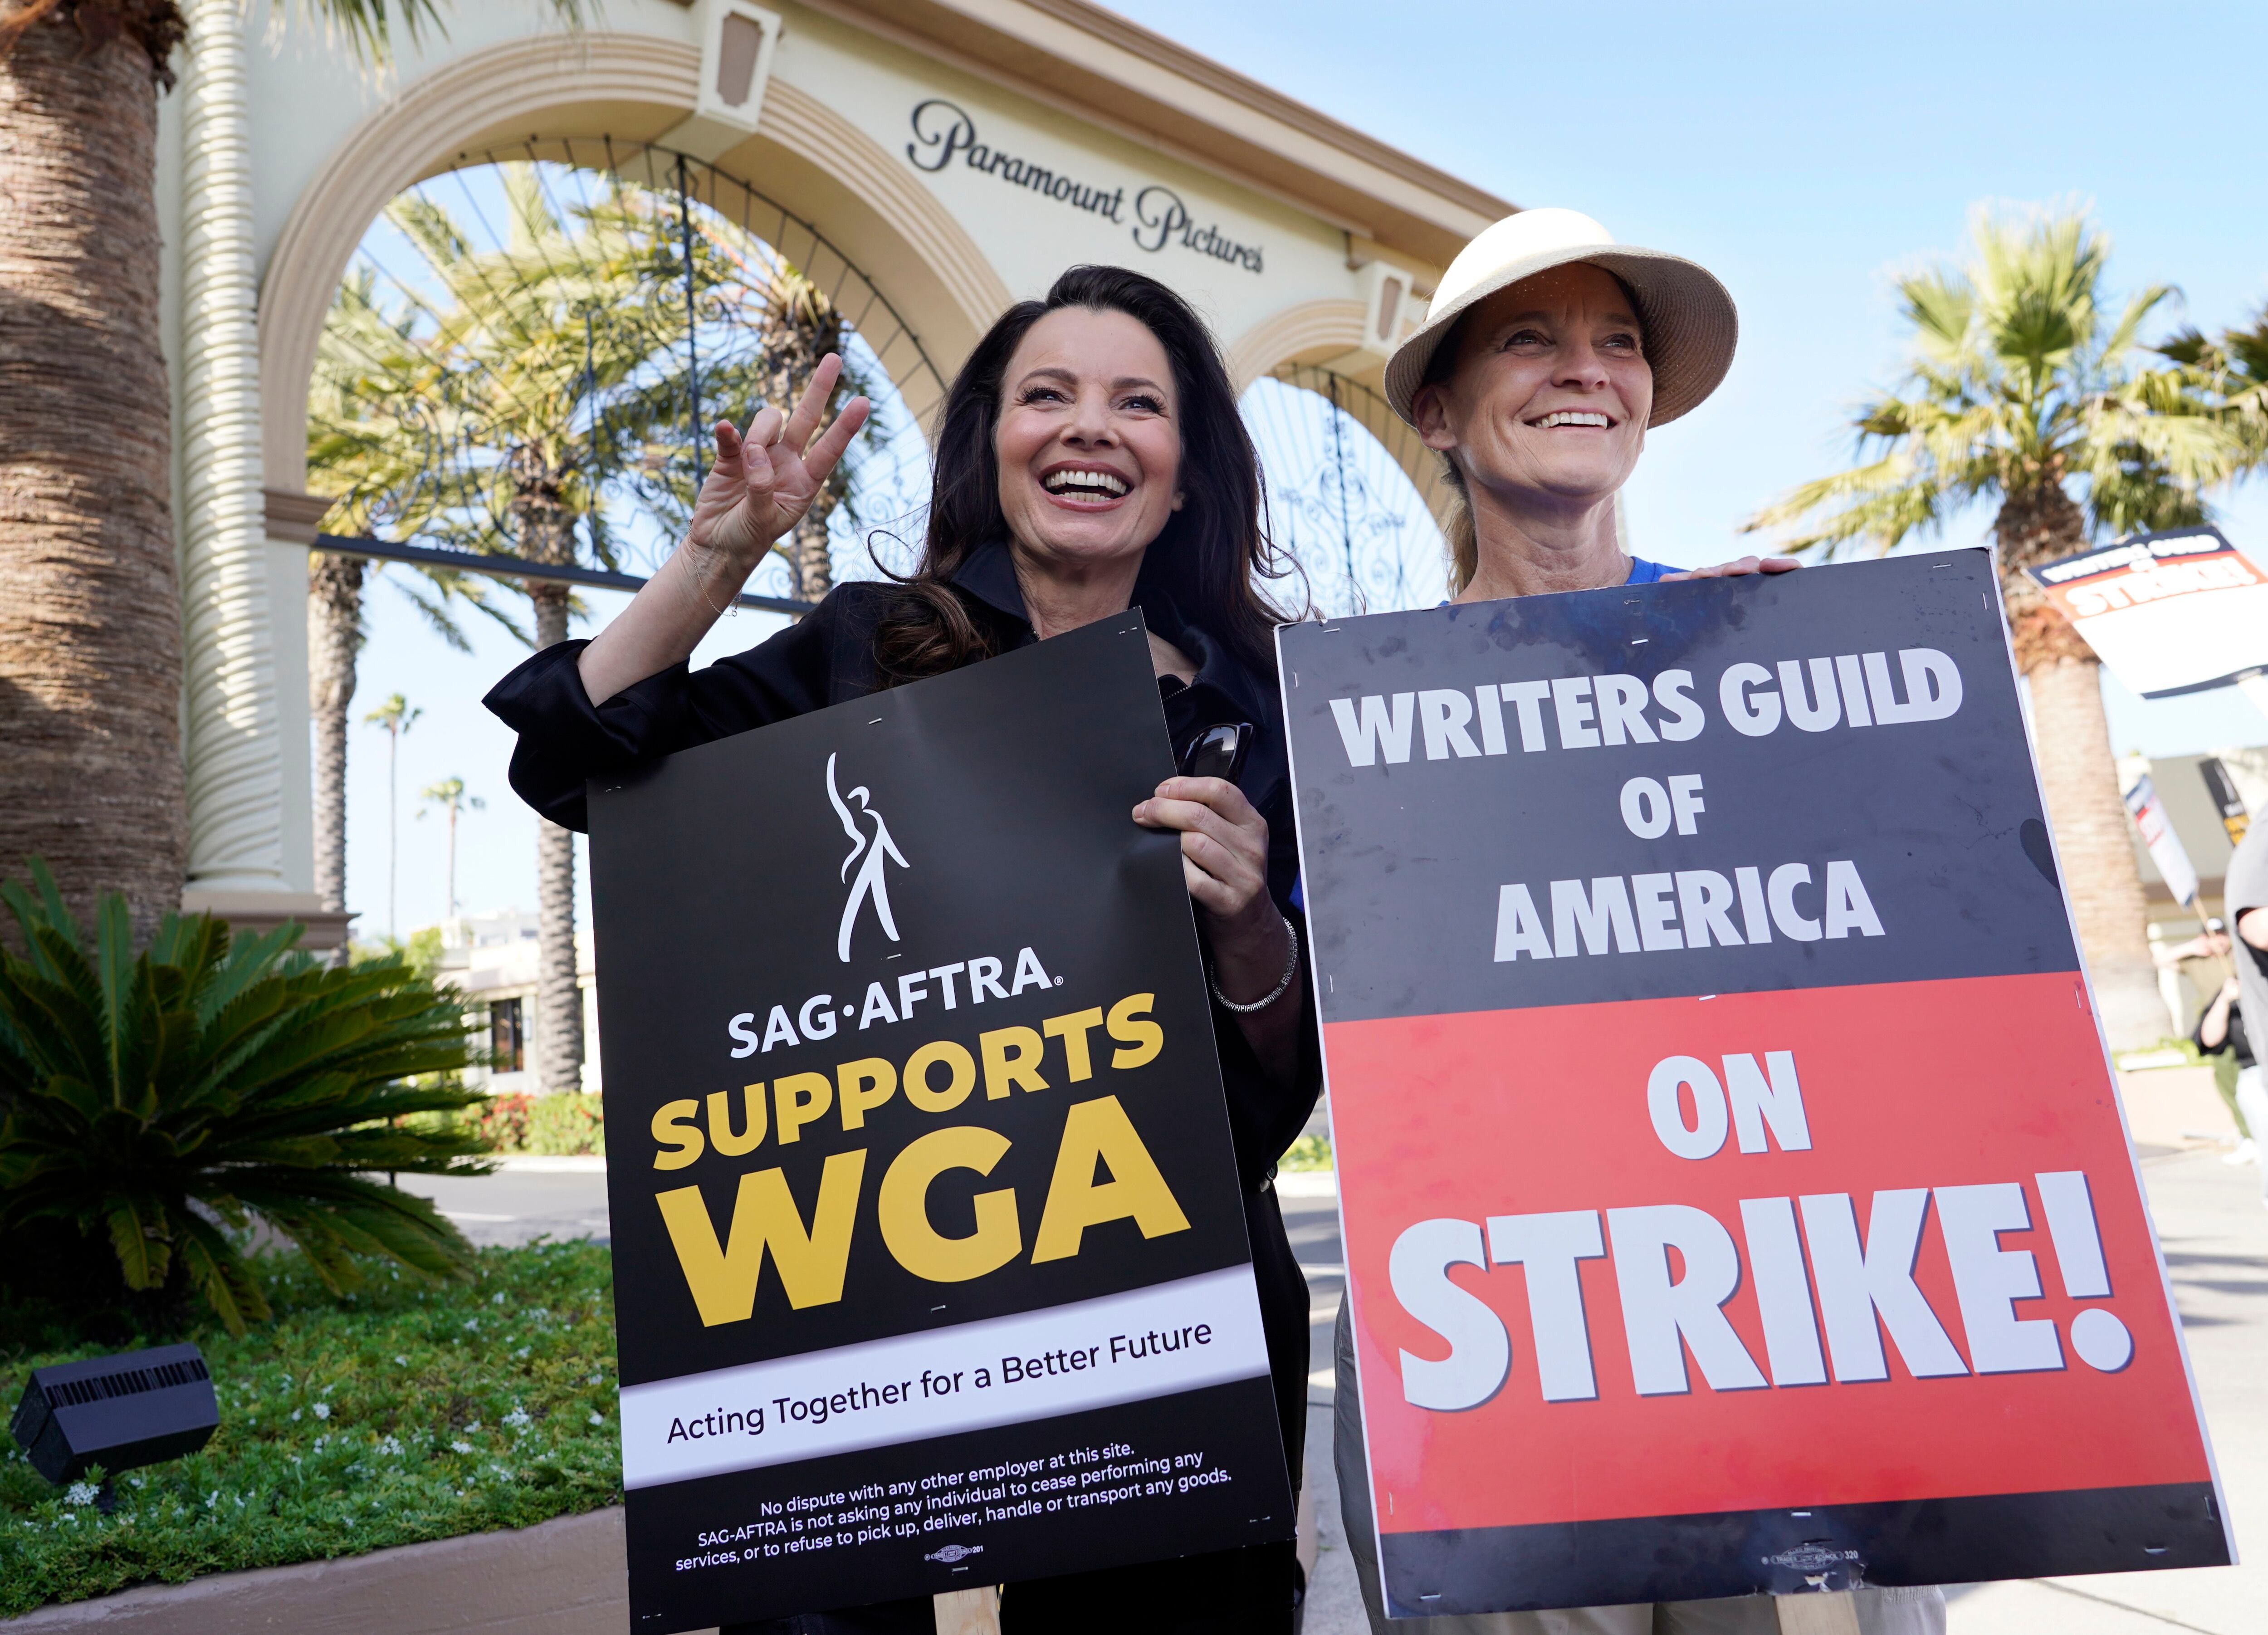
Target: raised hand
[{"x": 765, "y": 479}]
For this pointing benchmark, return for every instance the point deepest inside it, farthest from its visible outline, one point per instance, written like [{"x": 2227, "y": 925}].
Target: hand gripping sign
[
  {"x": 1734, "y": 1187},
  {"x": 930, "y": 1258}
]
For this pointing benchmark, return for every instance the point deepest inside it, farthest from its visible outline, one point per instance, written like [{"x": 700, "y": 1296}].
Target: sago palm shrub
[{"x": 159, "y": 1105}]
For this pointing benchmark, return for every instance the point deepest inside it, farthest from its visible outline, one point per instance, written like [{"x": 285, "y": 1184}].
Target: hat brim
[{"x": 1691, "y": 325}]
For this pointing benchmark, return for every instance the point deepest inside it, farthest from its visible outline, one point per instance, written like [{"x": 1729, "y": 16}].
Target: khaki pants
[{"x": 1918, "y": 1612}]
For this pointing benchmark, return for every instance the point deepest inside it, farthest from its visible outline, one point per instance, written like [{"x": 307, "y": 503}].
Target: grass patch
[
  {"x": 411, "y": 1410},
  {"x": 1307, "y": 1154}
]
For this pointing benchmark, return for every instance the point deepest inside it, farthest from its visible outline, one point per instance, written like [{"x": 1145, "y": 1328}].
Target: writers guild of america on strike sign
[
  {"x": 931, "y": 1266},
  {"x": 1735, "y": 1192}
]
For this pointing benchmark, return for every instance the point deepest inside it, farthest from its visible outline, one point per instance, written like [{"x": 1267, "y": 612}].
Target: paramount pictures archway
[{"x": 959, "y": 155}]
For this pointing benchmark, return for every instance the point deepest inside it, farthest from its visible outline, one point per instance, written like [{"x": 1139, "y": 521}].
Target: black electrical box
[{"x": 135, "y": 1409}]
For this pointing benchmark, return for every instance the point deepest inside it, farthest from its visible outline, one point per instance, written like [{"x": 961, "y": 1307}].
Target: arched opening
[
  {"x": 521, "y": 366},
  {"x": 1343, "y": 488},
  {"x": 532, "y": 93},
  {"x": 528, "y": 349}
]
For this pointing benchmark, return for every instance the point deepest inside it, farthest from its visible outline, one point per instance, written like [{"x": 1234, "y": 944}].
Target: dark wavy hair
[{"x": 1213, "y": 550}]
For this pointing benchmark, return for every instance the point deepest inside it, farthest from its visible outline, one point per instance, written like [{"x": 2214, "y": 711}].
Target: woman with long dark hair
[{"x": 1090, "y": 458}]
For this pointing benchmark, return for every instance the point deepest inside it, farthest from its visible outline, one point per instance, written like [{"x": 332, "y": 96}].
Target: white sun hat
[{"x": 1690, "y": 323}]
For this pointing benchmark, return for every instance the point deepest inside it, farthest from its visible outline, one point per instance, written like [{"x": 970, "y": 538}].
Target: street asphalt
[{"x": 2211, "y": 1221}]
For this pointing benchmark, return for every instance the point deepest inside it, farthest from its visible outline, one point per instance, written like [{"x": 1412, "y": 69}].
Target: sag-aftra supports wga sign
[
  {"x": 1735, "y": 1188},
  {"x": 931, "y": 1267}
]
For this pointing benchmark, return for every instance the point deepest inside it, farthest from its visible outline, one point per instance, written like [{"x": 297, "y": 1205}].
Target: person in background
[
  {"x": 2244, "y": 899},
  {"x": 2190, "y": 972},
  {"x": 2220, "y": 1036},
  {"x": 1548, "y": 352}
]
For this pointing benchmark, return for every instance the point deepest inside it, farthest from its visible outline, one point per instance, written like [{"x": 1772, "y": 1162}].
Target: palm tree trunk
[
  {"x": 546, "y": 528},
  {"x": 90, "y": 602},
  {"x": 2079, "y": 775},
  {"x": 558, "y": 995},
  {"x": 813, "y": 561},
  {"x": 333, "y": 643},
  {"x": 393, "y": 830}
]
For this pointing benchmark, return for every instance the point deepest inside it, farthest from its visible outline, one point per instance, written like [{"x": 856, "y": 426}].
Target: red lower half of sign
[{"x": 1846, "y": 1247}]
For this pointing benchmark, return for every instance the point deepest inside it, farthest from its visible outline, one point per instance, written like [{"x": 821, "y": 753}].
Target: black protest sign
[
  {"x": 931, "y": 1267},
  {"x": 1735, "y": 1190}
]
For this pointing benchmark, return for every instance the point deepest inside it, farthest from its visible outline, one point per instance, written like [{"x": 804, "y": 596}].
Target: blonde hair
[{"x": 1457, "y": 528}]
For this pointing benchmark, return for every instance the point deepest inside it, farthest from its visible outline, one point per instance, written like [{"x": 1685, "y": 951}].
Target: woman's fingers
[
  {"x": 1224, "y": 862},
  {"x": 1186, "y": 818},
  {"x": 1210, "y": 894},
  {"x": 836, "y": 438},
  {"x": 1229, "y": 855},
  {"x": 1199, "y": 817},
  {"x": 1739, "y": 568},
  {"x": 813, "y": 403},
  {"x": 1216, "y": 793}
]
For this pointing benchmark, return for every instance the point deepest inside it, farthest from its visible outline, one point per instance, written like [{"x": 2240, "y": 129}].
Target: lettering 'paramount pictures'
[
  {"x": 1735, "y": 1194},
  {"x": 931, "y": 1267}
]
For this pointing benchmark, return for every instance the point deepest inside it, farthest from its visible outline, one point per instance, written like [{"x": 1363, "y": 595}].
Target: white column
[{"x": 235, "y": 782}]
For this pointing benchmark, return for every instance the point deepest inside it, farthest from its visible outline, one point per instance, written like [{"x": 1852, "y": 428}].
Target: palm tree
[
  {"x": 488, "y": 411},
  {"x": 449, "y": 795},
  {"x": 397, "y": 716},
  {"x": 90, "y": 603},
  {"x": 2232, "y": 367},
  {"x": 365, "y": 383},
  {"x": 496, "y": 403},
  {"x": 2021, "y": 387},
  {"x": 801, "y": 327}
]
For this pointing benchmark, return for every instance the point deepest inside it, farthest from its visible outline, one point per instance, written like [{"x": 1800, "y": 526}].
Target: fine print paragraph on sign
[
  {"x": 931, "y": 1267},
  {"x": 1044, "y": 1483},
  {"x": 1735, "y": 1192}
]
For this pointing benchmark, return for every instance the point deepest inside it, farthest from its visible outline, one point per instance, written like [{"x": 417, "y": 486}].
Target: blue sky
[{"x": 1803, "y": 154}]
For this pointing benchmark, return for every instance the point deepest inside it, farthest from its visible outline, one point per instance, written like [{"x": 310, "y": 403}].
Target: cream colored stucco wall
[{"x": 1029, "y": 238}]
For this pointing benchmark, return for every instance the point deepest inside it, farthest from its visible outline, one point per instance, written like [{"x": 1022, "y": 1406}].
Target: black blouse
[{"x": 827, "y": 657}]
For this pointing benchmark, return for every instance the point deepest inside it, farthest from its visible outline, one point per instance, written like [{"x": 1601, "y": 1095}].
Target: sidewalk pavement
[
  {"x": 2215, "y": 1232},
  {"x": 2210, "y": 1221}
]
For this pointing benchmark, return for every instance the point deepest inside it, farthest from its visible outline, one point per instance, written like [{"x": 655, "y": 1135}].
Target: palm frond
[
  {"x": 2014, "y": 381},
  {"x": 368, "y": 27}
]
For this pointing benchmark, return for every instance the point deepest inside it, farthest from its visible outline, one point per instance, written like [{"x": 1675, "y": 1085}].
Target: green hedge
[
  {"x": 556, "y": 1125},
  {"x": 413, "y": 1411}
]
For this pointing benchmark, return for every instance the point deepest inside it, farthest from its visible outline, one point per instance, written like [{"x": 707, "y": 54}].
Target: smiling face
[
  {"x": 1089, "y": 440},
  {"x": 1549, "y": 392}
]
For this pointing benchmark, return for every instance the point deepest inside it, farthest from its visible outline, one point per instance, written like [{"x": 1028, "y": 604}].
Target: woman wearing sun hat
[{"x": 1549, "y": 351}]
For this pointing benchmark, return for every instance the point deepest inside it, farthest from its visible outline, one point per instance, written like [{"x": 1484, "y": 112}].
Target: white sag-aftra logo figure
[{"x": 879, "y": 854}]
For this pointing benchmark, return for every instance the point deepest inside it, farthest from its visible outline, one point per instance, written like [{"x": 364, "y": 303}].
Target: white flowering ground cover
[{"x": 411, "y": 1410}]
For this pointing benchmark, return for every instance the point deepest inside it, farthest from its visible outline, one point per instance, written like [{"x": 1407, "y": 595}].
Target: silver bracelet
[{"x": 1290, "y": 970}]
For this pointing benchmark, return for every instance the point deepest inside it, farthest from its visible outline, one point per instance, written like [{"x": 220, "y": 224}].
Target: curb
[{"x": 561, "y": 1577}]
